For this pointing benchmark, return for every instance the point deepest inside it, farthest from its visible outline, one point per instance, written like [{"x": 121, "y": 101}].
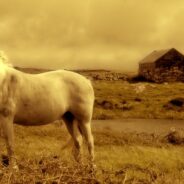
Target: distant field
[{"x": 121, "y": 99}]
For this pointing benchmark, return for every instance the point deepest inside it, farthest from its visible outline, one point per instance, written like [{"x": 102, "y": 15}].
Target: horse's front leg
[{"x": 7, "y": 126}]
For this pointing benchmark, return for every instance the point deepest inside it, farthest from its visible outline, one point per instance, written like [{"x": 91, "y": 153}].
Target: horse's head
[{"x": 3, "y": 57}]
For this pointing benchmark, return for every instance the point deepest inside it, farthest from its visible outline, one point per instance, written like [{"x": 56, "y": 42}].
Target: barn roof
[{"x": 155, "y": 55}]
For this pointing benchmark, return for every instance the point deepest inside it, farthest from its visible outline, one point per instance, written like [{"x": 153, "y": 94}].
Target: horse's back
[
  {"x": 79, "y": 89},
  {"x": 72, "y": 81}
]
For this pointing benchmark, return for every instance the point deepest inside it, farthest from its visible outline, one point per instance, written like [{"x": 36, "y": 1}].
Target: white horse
[{"x": 38, "y": 99}]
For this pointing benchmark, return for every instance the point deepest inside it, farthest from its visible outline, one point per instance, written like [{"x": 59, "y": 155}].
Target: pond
[{"x": 139, "y": 125}]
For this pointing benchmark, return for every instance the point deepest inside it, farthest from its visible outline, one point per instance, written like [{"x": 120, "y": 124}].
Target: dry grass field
[
  {"x": 128, "y": 158},
  {"x": 120, "y": 158}
]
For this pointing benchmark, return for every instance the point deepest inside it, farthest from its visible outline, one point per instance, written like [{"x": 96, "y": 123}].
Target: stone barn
[{"x": 163, "y": 66}]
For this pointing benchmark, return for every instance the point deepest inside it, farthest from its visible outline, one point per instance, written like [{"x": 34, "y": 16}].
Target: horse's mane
[
  {"x": 4, "y": 60},
  {"x": 4, "y": 64}
]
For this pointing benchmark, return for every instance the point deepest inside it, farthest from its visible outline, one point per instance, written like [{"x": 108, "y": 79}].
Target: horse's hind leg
[
  {"x": 86, "y": 131},
  {"x": 72, "y": 126}
]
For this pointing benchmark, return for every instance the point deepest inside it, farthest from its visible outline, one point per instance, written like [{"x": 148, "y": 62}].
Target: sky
[{"x": 88, "y": 34}]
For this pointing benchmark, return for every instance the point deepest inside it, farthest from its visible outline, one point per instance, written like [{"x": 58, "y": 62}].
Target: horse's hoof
[
  {"x": 15, "y": 168},
  {"x": 94, "y": 167},
  {"x": 5, "y": 160}
]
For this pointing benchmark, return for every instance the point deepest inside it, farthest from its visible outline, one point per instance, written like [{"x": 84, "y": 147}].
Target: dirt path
[{"x": 138, "y": 125}]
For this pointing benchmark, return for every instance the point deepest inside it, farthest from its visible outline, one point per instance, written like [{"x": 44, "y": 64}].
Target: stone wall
[
  {"x": 164, "y": 74},
  {"x": 105, "y": 75},
  {"x": 109, "y": 76}
]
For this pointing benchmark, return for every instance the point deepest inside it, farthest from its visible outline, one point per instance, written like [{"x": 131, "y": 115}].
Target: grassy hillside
[{"x": 121, "y": 99}]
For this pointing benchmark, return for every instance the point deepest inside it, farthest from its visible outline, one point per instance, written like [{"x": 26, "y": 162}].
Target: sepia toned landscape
[{"x": 133, "y": 55}]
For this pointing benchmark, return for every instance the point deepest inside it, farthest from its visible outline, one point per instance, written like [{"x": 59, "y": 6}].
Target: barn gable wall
[
  {"x": 146, "y": 70},
  {"x": 171, "y": 59}
]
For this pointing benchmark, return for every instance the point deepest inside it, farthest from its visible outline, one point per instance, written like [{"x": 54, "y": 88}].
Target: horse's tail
[
  {"x": 77, "y": 131},
  {"x": 67, "y": 144}
]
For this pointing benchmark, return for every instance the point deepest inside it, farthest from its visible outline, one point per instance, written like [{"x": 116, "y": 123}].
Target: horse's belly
[
  {"x": 32, "y": 121},
  {"x": 38, "y": 115}
]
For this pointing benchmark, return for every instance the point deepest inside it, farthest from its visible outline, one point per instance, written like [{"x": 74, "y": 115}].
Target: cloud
[{"x": 88, "y": 33}]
